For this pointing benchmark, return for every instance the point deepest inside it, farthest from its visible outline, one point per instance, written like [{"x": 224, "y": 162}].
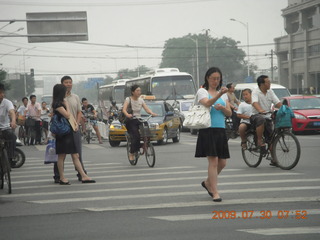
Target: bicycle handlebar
[{"x": 143, "y": 119}]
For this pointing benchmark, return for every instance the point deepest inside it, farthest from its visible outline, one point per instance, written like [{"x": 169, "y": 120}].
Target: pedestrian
[
  {"x": 65, "y": 144},
  {"x": 33, "y": 111},
  {"x": 212, "y": 142},
  {"x": 75, "y": 109},
  {"x": 45, "y": 117}
]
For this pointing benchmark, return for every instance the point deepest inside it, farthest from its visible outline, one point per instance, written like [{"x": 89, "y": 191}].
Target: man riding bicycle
[
  {"x": 135, "y": 104},
  {"x": 263, "y": 101},
  {"x": 88, "y": 108},
  {"x": 7, "y": 122}
]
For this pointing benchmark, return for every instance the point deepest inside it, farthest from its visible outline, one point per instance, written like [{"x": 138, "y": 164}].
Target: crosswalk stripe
[
  {"x": 283, "y": 231},
  {"x": 170, "y": 173},
  {"x": 101, "y": 171},
  {"x": 204, "y": 203},
  {"x": 175, "y": 180},
  {"x": 245, "y": 190},
  {"x": 168, "y": 194},
  {"x": 188, "y": 217}
]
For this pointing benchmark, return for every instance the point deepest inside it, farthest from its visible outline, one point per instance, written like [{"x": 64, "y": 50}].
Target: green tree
[
  {"x": 132, "y": 73},
  {"x": 222, "y": 53},
  {"x": 3, "y": 75}
]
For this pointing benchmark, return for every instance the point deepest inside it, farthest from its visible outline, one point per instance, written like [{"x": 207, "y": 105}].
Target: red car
[{"x": 306, "y": 111}]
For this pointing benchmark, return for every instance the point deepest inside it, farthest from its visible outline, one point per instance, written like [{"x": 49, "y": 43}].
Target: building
[{"x": 299, "y": 52}]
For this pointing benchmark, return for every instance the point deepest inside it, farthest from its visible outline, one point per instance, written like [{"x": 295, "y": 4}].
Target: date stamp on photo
[{"x": 264, "y": 214}]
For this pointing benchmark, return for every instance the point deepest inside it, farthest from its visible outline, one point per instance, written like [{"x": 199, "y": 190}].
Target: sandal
[{"x": 244, "y": 145}]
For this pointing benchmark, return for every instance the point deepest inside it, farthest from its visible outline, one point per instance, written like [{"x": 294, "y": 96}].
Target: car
[
  {"x": 306, "y": 111},
  {"x": 182, "y": 107},
  {"x": 166, "y": 125}
]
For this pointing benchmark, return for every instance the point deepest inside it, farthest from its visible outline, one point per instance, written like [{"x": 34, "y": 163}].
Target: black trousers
[
  {"x": 132, "y": 126},
  {"x": 11, "y": 138},
  {"x": 36, "y": 135},
  {"x": 78, "y": 144}
]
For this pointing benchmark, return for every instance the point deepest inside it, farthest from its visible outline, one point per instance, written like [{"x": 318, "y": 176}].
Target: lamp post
[
  {"x": 197, "y": 55},
  {"x": 10, "y": 33},
  {"x": 24, "y": 71},
  {"x": 246, "y": 25}
]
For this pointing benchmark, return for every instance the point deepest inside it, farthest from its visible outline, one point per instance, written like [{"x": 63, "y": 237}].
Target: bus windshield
[
  {"x": 173, "y": 87},
  {"x": 119, "y": 94}
]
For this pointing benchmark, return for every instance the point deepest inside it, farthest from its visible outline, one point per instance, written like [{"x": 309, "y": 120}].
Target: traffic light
[{"x": 31, "y": 72}]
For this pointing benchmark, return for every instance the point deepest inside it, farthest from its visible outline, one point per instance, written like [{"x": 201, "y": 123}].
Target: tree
[
  {"x": 127, "y": 73},
  {"x": 222, "y": 53},
  {"x": 3, "y": 75}
]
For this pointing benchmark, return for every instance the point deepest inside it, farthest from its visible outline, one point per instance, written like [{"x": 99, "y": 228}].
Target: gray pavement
[{"x": 164, "y": 202}]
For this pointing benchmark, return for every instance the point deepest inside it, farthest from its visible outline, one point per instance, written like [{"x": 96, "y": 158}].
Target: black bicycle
[
  {"x": 5, "y": 178},
  {"x": 284, "y": 148},
  {"x": 146, "y": 147}
]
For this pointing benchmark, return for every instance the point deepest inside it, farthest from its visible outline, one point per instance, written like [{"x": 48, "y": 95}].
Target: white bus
[{"x": 107, "y": 94}]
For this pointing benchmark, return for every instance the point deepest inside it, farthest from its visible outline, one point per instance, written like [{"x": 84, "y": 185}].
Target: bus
[{"x": 107, "y": 94}]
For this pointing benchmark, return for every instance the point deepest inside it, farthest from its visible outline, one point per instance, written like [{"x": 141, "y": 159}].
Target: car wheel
[
  {"x": 114, "y": 143},
  {"x": 193, "y": 131},
  {"x": 177, "y": 137},
  {"x": 164, "y": 139}
]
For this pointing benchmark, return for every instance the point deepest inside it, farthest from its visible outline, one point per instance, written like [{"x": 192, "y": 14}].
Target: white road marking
[
  {"x": 170, "y": 173},
  {"x": 205, "y": 203},
  {"x": 166, "y": 194},
  {"x": 188, "y": 217},
  {"x": 283, "y": 231}
]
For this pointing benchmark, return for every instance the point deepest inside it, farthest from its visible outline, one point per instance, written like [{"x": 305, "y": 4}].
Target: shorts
[{"x": 94, "y": 122}]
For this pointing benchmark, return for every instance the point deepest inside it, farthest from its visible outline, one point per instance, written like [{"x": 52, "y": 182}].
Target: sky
[{"x": 139, "y": 23}]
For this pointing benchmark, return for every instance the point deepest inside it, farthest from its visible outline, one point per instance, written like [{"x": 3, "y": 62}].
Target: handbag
[
  {"x": 284, "y": 117},
  {"x": 122, "y": 117},
  {"x": 59, "y": 125},
  {"x": 51, "y": 156},
  {"x": 198, "y": 116}
]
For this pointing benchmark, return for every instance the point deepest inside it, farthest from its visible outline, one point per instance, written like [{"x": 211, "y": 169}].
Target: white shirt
[
  {"x": 265, "y": 101},
  {"x": 5, "y": 106},
  {"x": 203, "y": 93},
  {"x": 245, "y": 109},
  {"x": 21, "y": 110},
  {"x": 136, "y": 106}
]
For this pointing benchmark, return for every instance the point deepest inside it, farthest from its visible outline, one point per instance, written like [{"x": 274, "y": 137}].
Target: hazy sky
[{"x": 136, "y": 23}]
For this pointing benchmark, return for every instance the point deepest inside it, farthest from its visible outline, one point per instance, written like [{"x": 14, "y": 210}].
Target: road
[{"x": 164, "y": 202}]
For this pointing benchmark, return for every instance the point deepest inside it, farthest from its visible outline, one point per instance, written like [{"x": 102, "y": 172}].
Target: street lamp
[
  {"x": 10, "y": 33},
  {"x": 246, "y": 25},
  {"x": 9, "y": 52},
  {"x": 197, "y": 53}
]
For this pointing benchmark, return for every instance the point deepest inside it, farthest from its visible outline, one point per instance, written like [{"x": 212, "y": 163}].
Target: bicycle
[
  {"x": 146, "y": 145},
  {"x": 230, "y": 132},
  {"x": 88, "y": 127},
  {"x": 4, "y": 166},
  {"x": 284, "y": 148}
]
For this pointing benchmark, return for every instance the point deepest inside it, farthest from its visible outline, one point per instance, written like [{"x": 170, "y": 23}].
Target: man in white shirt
[
  {"x": 7, "y": 122},
  {"x": 33, "y": 110},
  {"x": 263, "y": 99}
]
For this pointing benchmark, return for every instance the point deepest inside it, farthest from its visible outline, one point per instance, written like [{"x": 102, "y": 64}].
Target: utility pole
[
  {"x": 272, "y": 64},
  {"x": 207, "y": 48}
]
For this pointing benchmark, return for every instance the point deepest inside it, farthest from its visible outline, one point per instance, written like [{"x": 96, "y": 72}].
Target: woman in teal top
[{"x": 212, "y": 142}]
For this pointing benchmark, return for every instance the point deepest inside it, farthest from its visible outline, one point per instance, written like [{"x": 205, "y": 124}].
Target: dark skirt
[
  {"x": 66, "y": 144},
  {"x": 212, "y": 142}
]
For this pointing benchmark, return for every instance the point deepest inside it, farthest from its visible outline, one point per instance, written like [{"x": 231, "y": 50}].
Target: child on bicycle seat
[{"x": 244, "y": 112}]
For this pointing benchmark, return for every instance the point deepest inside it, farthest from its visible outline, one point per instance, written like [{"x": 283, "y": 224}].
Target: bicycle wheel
[
  {"x": 5, "y": 171},
  {"x": 21, "y": 133},
  {"x": 286, "y": 150},
  {"x": 252, "y": 155},
  {"x": 132, "y": 162},
  {"x": 19, "y": 158},
  {"x": 150, "y": 154},
  {"x": 88, "y": 136}
]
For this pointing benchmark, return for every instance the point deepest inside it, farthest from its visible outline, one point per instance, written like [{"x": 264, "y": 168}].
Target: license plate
[{"x": 316, "y": 123}]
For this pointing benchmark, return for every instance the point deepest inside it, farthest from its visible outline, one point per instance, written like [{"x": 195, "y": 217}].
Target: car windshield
[
  {"x": 185, "y": 106},
  {"x": 281, "y": 92},
  {"x": 156, "y": 108},
  {"x": 305, "y": 103},
  {"x": 173, "y": 87}
]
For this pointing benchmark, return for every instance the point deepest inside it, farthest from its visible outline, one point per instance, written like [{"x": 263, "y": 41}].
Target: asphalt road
[{"x": 164, "y": 202}]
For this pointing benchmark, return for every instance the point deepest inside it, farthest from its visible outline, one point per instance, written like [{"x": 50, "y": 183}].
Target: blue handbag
[{"x": 59, "y": 125}]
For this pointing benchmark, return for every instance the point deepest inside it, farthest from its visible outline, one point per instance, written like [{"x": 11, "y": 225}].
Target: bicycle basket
[
  {"x": 21, "y": 120},
  {"x": 30, "y": 122},
  {"x": 145, "y": 130}
]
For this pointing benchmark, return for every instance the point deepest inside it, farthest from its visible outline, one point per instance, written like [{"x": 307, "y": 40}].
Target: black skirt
[
  {"x": 65, "y": 144},
  {"x": 212, "y": 142}
]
